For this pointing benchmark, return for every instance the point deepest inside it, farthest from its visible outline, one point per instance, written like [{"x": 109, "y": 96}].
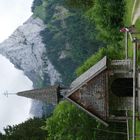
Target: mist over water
[{"x": 13, "y": 109}]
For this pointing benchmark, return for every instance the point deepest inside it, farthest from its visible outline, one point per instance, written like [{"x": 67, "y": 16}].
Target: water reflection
[{"x": 13, "y": 109}]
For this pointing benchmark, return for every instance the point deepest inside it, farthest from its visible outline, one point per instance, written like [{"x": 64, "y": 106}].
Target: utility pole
[{"x": 134, "y": 87}]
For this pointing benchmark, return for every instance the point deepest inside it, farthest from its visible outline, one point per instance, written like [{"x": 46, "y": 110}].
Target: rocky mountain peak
[{"x": 24, "y": 48}]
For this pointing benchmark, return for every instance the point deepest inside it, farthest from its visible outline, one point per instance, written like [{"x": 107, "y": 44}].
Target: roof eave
[
  {"x": 75, "y": 89},
  {"x": 94, "y": 116}
]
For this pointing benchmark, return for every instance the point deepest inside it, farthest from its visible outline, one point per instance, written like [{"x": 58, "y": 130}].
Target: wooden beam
[{"x": 127, "y": 122}]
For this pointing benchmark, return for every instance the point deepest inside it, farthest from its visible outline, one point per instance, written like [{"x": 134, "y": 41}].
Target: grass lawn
[
  {"x": 137, "y": 24},
  {"x": 128, "y": 22},
  {"x": 137, "y": 128}
]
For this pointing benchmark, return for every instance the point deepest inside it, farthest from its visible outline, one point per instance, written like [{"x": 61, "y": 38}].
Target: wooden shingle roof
[
  {"x": 90, "y": 91},
  {"x": 49, "y": 94},
  {"x": 88, "y": 75}
]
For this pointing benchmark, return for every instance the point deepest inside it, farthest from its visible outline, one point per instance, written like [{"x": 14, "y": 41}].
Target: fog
[
  {"x": 12, "y": 14},
  {"x": 13, "y": 109}
]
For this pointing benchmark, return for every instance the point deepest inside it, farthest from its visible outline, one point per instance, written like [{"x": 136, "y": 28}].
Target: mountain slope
[{"x": 24, "y": 48}]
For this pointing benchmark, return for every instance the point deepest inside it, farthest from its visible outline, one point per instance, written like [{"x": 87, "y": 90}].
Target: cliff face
[
  {"x": 49, "y": 50},
  {"x": 24, "y": 48}
]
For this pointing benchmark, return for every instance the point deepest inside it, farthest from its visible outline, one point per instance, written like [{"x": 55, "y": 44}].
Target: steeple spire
[
  {"x": 50, "y": 94},
  {"x": 7, "y": 94}
]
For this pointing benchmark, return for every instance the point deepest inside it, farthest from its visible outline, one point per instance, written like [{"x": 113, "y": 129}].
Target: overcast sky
[
  {"x": 12, "y": 14},
  {"x": 13, "y": 109}
]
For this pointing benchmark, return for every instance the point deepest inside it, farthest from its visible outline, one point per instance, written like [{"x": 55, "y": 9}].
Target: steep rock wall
[{"x": 24, "y": 48}]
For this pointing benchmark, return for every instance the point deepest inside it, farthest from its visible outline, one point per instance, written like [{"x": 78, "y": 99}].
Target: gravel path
[
  {"x": 135, "y": 13},
  {"x": 133, "y": 10}
]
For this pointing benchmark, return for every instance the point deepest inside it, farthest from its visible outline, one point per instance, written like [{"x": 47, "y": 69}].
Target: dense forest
[
  {"x": 78, "y": 33},
  {"x": 67, "y": 123},
  {"x": 75, "y": 30},
  {"x": 29, "y": 130},
  {"x": 69, "y": 36}
]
